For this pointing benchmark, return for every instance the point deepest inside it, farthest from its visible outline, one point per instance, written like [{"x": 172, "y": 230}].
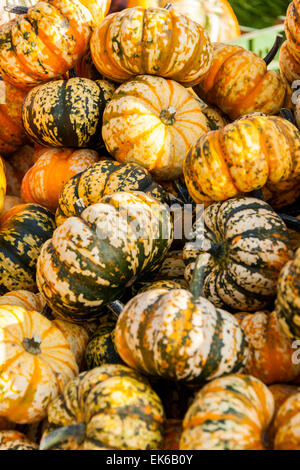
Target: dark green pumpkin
[
  {"x": 67, "y": 113},
  {"x": 101, "y": 347}
]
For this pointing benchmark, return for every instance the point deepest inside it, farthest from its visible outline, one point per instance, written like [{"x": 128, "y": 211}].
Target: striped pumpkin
[
  {"x": 287, "y": 424},
  {"x": 171, "y": 334},
  {"x": 229, "y": 413},
  {"x": 152, "y": 41},
  {"x": 249, "y": 154},
  {"x": 280, "y": 392},
  {"x": 90, "y": 260},
  {"x": 111, "y": 407},
  {"x": 101, "y": 179},
  {"x": 101, "y": 347},
  {"x": 36, "y": 363},
  {"x": 44, "y": 181},
  {"x": 289, "y": 56},
  {"x": 242, "y": 246},
  {"x": 47, "y": 41},
  {"x": 23, "y": 231},
  {"x": 15, "y": 440},
  {"x": 67, "y": 113},
  {"x": 153, "y": 122}
]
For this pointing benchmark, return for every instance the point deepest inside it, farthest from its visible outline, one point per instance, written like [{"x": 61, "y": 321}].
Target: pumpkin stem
[
  {"x": 32, "y": 345},
  {"x": 168, "y": 6},
  {"x": 273, "y": 51},
  {"x": 288, "y": 115},
  {"x": 17, "y": 10},
  {"x": 291, "y": 222},
  {"x": 79, "y": 206},
  {"x": 198, "y": 276},
  {"x": 75, "y": 431},
  {"x": 115, "y": 308},
  {"x": 168, "y": 115}
]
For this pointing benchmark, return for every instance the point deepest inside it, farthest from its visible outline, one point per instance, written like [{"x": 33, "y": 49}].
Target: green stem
[
  {"x": 17, "y": 10},
  {"x": 168, "y": 6},
  {"x": 272, "y": 53},
  {"x": 74, "y": 431},
  {"x": 198, "y": 276},
  {"x": 115, "y": 308}
]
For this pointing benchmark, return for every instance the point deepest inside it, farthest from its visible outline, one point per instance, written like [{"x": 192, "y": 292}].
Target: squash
[
  {"x": 101, "y": 179},
  {"x": 16, "y": 166},
  {"x": 287, "y": 424},
  {"x": 76, "y": 335},
  {"x": 271, "y": 351},
  {"x": 109, "y": 407},
  {"x": 67, "y": 113},
  {"x": 101, "y": 347},
  {"x": 239, "y": 83},
  {"x": 249, "y": 154},
  {"x": 289, "y": 57},
  {"x": 44, "y": 181},
  {"x": 14, "y": 440},
  {"x": 153, "y": 122},
  {"x": 229, "y": 413},
  {"x": 2, "y": 184},
  {"x": 12, "y": 134},
  {"x": 174, "y": 335},
  {"x": 152, "y": 41},
  {"x": 240, "y": 246},
  {"x": 36, "y": 363},
  {"x": 92, "y": 258},
  {"x": 23, "y": 231},
  {"x": 48, "y": 40}
]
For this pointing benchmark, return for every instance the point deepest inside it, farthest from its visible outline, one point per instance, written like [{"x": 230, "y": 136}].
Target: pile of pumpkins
[{"x": 115, "y": 333}]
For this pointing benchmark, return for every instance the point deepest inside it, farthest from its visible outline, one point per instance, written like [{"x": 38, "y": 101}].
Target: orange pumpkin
[
  {"x": 287, "y": 424},
  {"x": 289, "y": 57},
  {"x": 15, "y": 440},
  {"x": 44, "y": 181}
]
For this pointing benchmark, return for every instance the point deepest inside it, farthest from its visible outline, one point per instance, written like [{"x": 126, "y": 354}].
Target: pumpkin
[
  {"x": 152, "y": 41},
  {"x": 92, "y": 258},
  {"x": 163, "y": 284},
  {"x": 16, "y": 166},
  {"x": 101, "y": 179},
  {"x": 229, "y": 413},
  {"x": 239, "y": 83},
  {"x": 67, "y": 113},
  {"x": 36, "y": 363},
  {"x": 2, "y": 184},
  {"x": 101, "y": 347},
  {"x": 287, "y": 424},
  {"x": 12, "y": 134},
  {"x": 173, "y": 430},
  {"x": 240, "y": 249},
  {"x": 44, "y": 181},
  {"x": 289, "y": 57},
  {"x": 271, "y": 351},
  {"x": 48, "y": 40},
  {"x": 174, "y": 335},
  {"x": 14, "y": 440},
  {"x": 76, "y": 335},
  {"x": 153, "y": 122},
  {"x": 249, "y": 154},
  {"x": 111, "y": 407},
  {"x": 23, "y": 230}
]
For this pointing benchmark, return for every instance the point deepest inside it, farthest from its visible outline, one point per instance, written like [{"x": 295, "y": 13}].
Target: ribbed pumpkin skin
[
  {"x": 67, "y": 113},
  {"x": 36, "y": 363},
  {"x": 91, "y": 259},
  {"x": 289, "y": 56},
  {"x": 48, "y": 40},
  {"x": 44, "y": 181},
  {"x": 270, "y": 349},
  {"x": 243, "y": 156},
  {"x": 171, "y": 334},
  {"x": 153, "y": 122},
  {"x": 12, "y": 134},
  {"x": 101, "y": 347},
  {"x": 119, "y": 408},
  {"x": 287, "y": 302},
  {"x": 23, "y": 231},
  {"x": 239, "y": 83},
  {"x": 101, "y": 179},
  {"x": 244, "y": 245},
  {"x": 287, "y": 425},
  {"x": 14, "y": 440},
  {"x": 152, "y": 41},
  {"x": 230, "y": 413}
]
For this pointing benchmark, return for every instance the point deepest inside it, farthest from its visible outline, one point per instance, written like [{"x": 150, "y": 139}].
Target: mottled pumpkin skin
[
  {"x": 14, "y": 440},
  {"x": 23, "y": 231},
  {"x": 152, "y": 41},
  {"x": 271, "y": 351},
  {"x": 67, "y": 113},
  {"x": 287, "y": 424},
  {"x": 101, "y": 179},
  {"x": 171, "y": 334},
  {"x": 173, "y": 267},
  {"x": 91, "y": 259},
  {"x": 44, "y": 181},
  {"x": 289, "y": 56},
  {"x": 163, "y": 284},
  {"x": 117, "y": 405},
  {"x": 243, "y": 245},
  {"x": 48, "y": 40},
  {"x": 239, "y": 83},
  {"x": 287, "y": 302},
  {"x": 229, "y": 413},
  {"x": 249, "y": 154},
  {"x": 36, "y": 363},
  {"x": 153, "y": 122},
  {"x": 101, "y": 347},
  {"x": 12, "y": 134}
]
